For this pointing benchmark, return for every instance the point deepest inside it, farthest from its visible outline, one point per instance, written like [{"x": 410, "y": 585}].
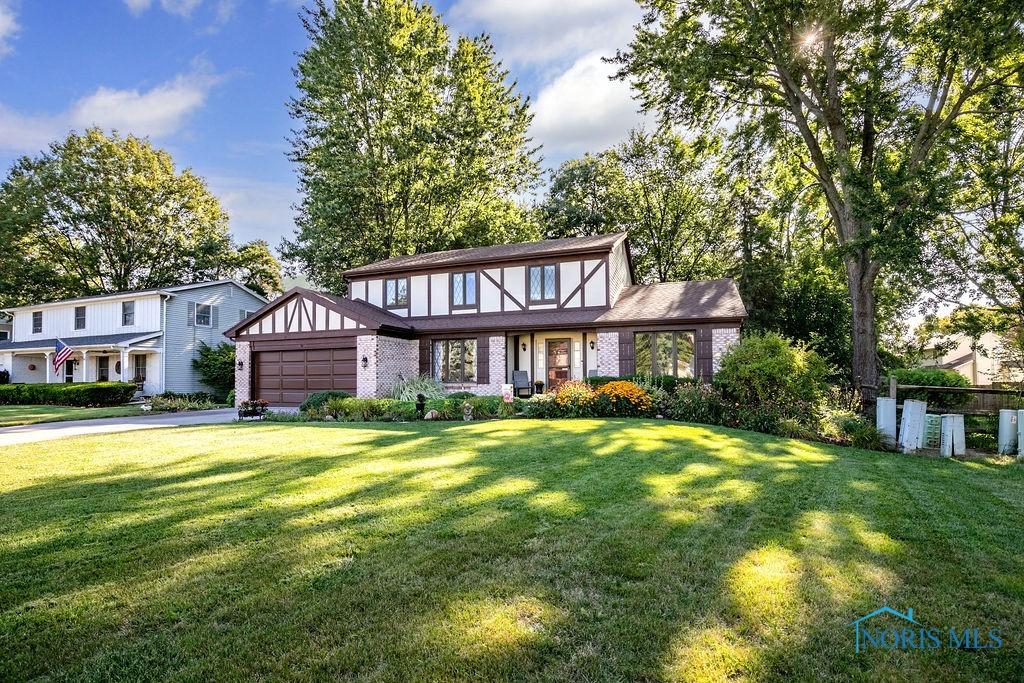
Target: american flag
[{"x": 62, "y": 353}]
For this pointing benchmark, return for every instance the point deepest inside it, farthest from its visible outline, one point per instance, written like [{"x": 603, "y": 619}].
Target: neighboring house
[
  {"x": 148, "y": 336},
  {"x": 556, "y": 310},
  {"x": 6, "y": 326},
  {"x": 980, "y": 361}
]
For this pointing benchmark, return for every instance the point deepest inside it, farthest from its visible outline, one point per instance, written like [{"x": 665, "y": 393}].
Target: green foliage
[
  {"x": 408, "y": 141},
  {"x": 575, "y": 398},
  {"x": 174, "y": 404},
  {"x": 656, "y": 187},
  {"x": 201, "y": 396},
  {"x": 460, "y": 395},
  {"x": 370, "y": 409},
  {"x": 319, "y": 399},
  {"x": 97, "y": 213},
  {"x": 933, "y": 377},
  {"x": 79, "y": 394},
  {"x": 230, "y": 400},
  {"x": 668, "y": 383},
  {"x": 541, "y": 406},
  {"x": 215, "y": 366},
  {"x": 768, "y": 368},
  {"x": 285, "y": 416},
  {"x": 409, "y": 389},
  {"x": 701, "y": 403}
]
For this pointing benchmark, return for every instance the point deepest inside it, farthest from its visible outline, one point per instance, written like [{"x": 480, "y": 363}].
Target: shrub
[
  {"x": 198, "y": 396},
  {"x": 934, "y": 377},
  {"x": 230, "y": 400},
  {"x": 770, "y": 369},
  {"x": 541, "y": 406},
  {"x": 174, "y": 404},
  {"x": 626, "y": 398},
  {"x": 447, "y": 408},
  {"x": 668, "y": 383},
  {"x": 285, "y": 416},
  {"x": 461, "y": 395},
  {"x": 215, "y": 366},
  {"x": 701, "y": 403},
  {"x": 81, "y": 394},
  {"x": 369, "y": 409},
  {"x": 319, "y": 399},
  {"x": 408, "y": 389},
  {"x": 575, "y": 398}
]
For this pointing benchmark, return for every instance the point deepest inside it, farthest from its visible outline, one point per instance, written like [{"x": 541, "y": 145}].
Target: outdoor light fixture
[
  {"x": 366, "y": 361},
  {"x": 591, "y": 344},
  {"x": 524, "y": 346},
  {"x": 241, "y": 365}
]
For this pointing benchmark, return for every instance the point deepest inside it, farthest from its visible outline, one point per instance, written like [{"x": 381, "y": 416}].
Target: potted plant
[
  {"x": 256, "y": 407},
  {"x": 538, "y": 387}
]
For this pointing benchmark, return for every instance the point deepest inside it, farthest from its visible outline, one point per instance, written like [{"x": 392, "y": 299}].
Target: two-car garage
[{"x": 287, "y": 377}]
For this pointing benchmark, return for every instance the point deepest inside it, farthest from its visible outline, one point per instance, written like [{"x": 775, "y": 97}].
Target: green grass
[
  {"x": 26, "y": 415},
  {"x": 524, "y": 550}
]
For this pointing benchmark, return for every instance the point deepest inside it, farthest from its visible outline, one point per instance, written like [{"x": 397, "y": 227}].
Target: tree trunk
[{"x": 860, "y": 273}]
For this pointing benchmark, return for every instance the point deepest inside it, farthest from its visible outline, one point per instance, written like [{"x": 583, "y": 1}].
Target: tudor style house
[
  {"x": 148, "y": 336},
  {"x": 556, "y": 310}
]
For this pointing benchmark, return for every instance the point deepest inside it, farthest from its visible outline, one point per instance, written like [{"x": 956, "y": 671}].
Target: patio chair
[{"x": 521, "y": 383}]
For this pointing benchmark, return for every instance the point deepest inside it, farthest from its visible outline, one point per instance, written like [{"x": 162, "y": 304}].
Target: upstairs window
[
  {"x": 203, "y": 315},
  {"x": 542, "y": 284},
  {"x": 4, "y": 335},
  {"x": 37, "y": 322},
  {"x": 79, "y": 317},
  {"x": 244, "y": 314},
  {"x": 664, "y": 353},
  {"x": 127, "y": 313},
  {"x": 396, "y": 292},
  {"x": 463, "y": 288}
]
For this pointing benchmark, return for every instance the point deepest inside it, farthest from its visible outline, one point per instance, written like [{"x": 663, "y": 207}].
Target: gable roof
[
  {"x": 372, "y": 317},
  {"x": 168, "y": 291},
  {"x": 885, "y": 609},
  {"x": 498, "y": 252}
]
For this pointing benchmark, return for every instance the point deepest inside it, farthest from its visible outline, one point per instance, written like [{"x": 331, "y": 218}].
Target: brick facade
[
  {"x": 722, "y": 339},
  {"x": 608, "y": 353},
  {"x": 243, "y": 374},
  {"x": 389, "y": 360}
]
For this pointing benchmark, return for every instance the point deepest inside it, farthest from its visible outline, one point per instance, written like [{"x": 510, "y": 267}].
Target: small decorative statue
[
  {"x": 421, "y": 404},
  {"x": 467, "y": 412}
]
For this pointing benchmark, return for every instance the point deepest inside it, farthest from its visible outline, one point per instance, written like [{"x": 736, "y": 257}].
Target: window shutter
[
  {"x": 627, "y": 353},
  {"x": 191, "y": 314},
  {"x": 213, "y": 316},
  {"x": 424, "y": 356},
  {"x": 483, "y": 360}
]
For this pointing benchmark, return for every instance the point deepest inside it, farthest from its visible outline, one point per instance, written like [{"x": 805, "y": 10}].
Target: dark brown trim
[
  {"x": 533, "y": 358},
  {"x": 558, "y": 254},
  {"x": 583, "y": 350}
]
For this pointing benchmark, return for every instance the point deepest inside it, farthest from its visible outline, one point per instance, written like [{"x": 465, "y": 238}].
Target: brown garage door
[{"x": 286, "y": 378}]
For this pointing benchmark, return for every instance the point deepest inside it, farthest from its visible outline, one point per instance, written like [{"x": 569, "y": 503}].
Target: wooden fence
[{"x": 963, "y": 400}]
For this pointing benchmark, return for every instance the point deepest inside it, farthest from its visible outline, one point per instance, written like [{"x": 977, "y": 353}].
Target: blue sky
[{"x": 208, "y": 80}]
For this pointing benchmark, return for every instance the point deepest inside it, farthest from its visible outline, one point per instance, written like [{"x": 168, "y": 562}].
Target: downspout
[{"x": 163, "y": 341}]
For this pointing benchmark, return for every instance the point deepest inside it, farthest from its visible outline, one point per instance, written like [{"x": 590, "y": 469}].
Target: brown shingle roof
[
  {"x": 498, "y": 252},
  {"x": 665, "y": 302}
]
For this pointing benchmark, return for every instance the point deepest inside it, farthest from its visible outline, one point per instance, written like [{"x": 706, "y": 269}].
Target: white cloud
[
  {"x": 8, "y": 27},
  {"x": 584, "y": 110},
  {"x": 137, "y": 7},
  {"x": 159, "y": 111},
  {"x": 258, "y": 209},
  {"x": 183, "y": 8},
  {"x": 539, "y": 31}
]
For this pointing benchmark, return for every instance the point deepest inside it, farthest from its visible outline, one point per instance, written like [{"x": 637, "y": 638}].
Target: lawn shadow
[{"x": 591, "y": 549}]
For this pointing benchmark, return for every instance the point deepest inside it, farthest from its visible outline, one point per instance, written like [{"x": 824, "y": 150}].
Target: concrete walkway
[{"x": 59, "y": 430}]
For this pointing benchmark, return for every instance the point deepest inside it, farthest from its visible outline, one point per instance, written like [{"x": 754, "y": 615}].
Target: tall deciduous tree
[
  {"x": 657, "y": 188},
  {"x": 407, "y": 143},
  {"x": 98, "y": 213},
  {"x": 871, "y": 89}
]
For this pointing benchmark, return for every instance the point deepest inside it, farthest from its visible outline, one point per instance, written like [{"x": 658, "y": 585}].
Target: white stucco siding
[
  {"x": 569, "y": 278},
  {"x": 515, "y": 285},
  {"x": 358, "y": 290},
  {"x": 490, "y": 295},
  {"x": 595, "y": 291},
  {"x": 375, "y": 292},
  {"x": 439, "y": 294},
  {"x": 418, "y": 303}
]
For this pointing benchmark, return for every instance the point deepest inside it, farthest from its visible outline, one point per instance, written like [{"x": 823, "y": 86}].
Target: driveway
[{"x": 60, "y": 430}]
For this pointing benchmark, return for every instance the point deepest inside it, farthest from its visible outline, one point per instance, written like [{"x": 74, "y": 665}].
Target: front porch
[
  {"x": 554, "y": 356},
  {"x": 94, "y": 362}
]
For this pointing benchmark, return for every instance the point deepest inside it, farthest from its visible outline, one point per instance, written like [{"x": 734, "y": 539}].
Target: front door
[
  {"x": 69, "y": 371},
  {"x": 558, "y": 362}
]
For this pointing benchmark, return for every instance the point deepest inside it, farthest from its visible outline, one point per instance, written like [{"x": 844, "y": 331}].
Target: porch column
[
  {"x": 49, "y": 367},
  {"x": 85, "y": 366},
  {"x": 124, "y": 366}
]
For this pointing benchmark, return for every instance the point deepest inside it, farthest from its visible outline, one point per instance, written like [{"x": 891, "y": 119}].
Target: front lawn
[
  {"x": 26, "y": 415},
  {"x": 520, "y": 549}
]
